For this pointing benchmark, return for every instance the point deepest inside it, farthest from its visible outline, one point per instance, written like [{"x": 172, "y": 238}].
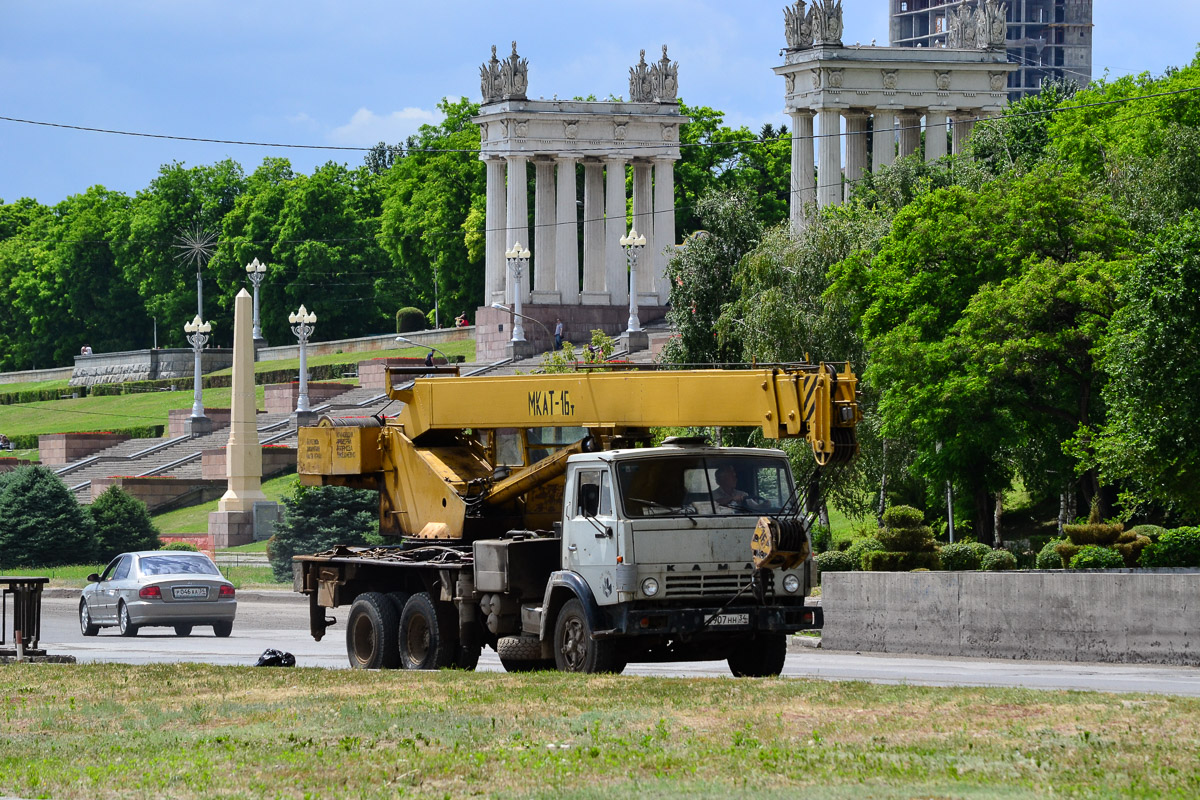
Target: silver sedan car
[{"x": 169, "y": 588}]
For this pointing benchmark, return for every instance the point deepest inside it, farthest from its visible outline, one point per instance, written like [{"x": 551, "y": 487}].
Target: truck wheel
[
  {"x": 522, "y": 654},
  {"x": 761, "y": 657},
  {"x": 428, "y": 631},
  {"x": 398, "y": 600},
  {"x": 574, "y": 648},
  {"x": 371, "y": 631}
]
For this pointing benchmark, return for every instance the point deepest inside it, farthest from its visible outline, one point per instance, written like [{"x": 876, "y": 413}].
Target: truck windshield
[{"x": 704, "y": 485}]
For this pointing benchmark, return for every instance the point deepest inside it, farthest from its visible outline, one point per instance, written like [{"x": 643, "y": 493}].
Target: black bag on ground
[{"x": 275, "y": 658}]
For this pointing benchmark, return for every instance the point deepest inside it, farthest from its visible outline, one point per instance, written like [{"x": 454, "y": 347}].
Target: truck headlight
[
  {"x": 791, "y": 583},
  {"x": 650, "y": 587}
]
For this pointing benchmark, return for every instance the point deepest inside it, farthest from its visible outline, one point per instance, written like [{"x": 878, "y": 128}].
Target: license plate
[
  {"x": 190, "y": 592},
  {"x": 718, "y": 620}
]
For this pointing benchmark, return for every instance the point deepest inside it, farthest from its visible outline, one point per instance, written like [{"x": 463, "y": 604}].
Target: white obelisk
[{"x": 243, "y": 454}]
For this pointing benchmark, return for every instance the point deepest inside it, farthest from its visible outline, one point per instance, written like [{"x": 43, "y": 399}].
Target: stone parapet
[
  {"x": 364, "y": 344},
  {"x": 8, "y": 463},
  {"x": 56, "y": 449},
  {"x": 146, "y": 365},
  {"x": 493, "y": 326},
  {"x": 162, "y": 492},
  {"x": 276, "y": 460},
  {"x": 177, "y": 420},
  {"x": 1134, "y": 616}
]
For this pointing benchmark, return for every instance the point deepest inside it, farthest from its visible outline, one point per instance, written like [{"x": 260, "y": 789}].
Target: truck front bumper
[{"x": 630, "y": 620}]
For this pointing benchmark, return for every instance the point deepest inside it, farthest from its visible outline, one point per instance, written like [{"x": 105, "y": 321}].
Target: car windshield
[
  {"x": 695, "y": 485},
  {"x": 178, "y": 565}
]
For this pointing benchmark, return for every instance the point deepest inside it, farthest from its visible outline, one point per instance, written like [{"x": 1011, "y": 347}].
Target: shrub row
[
  {"x": 29, "y": 441},
  {"x": 8, "y": 398}
]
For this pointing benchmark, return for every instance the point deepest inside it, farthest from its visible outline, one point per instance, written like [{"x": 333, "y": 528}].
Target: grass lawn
[
  {"x": 194, "y": 730},
  {"x": 194, "y": 519},
  {"x": 106, "y": 413}
]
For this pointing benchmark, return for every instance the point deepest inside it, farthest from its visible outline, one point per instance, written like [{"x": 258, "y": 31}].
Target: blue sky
[{"x": 355, "y": 72}]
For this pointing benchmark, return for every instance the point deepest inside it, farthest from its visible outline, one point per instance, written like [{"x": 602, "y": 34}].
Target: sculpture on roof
[
  {"x": 504, "y": 80},
  {"x": 797, "y": 26},
  {"x": 664, "y": 76},
  {"x": 826, "y": 22},
  {"x": 641, "y": 85},
  {"x": 992, "y": 25}
]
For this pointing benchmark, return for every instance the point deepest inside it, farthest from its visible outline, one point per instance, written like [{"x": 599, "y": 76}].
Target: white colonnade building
[
  {"x": 890, "y": 94},
  {"x": 588, "y": 286}
]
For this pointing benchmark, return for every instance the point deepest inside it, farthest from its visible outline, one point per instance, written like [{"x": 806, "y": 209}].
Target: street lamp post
[
  {"x": 303, "y": 323},
  {"x": 197, "y": 335},
  {"x": 633, "y": 244},
  {"x": 406, "y": 340},
  {"x": 256, "y": 271},
  {"x": 518, "y": 260},
  {"x": 502, "y": 307}
]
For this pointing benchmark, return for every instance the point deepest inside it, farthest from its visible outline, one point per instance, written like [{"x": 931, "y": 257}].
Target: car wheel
[
  {"x": 124, "y": 623},
  {"x": 761, "y": 658},
  {"x": 221, "y": 629},
  {"x": 85, "y": 620},
  {"x": 183, "y": 630},
  {"x": 428, "y": 634},
  {"x": 371, "y": 631},
  {"x": 574, "y": 648}
]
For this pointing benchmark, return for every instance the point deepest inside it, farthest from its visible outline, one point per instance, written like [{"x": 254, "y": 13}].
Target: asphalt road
[{"x": 280, "y": 620}]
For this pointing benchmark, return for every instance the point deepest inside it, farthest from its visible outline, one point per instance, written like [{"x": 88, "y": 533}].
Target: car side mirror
[{"x": 93, "y": 578}]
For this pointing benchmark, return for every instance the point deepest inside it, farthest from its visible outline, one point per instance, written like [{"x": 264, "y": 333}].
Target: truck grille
[{"x": 707, "y": 584}]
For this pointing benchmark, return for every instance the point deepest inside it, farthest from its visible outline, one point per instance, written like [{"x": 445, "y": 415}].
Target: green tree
[
  {"x": 701, "y": 279},
  {"x": 1149, "y": 441},
  {"x": 432, "y": 217},
  {"x": 41, "y": 523},
  {"x": 122, "y": 523},
  {"x": 316, "y": 518}
]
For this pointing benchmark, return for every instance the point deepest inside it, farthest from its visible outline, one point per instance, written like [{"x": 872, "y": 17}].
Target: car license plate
[
  {"x": 728, "y": 619},
  {"x": 190, "y": 592}
]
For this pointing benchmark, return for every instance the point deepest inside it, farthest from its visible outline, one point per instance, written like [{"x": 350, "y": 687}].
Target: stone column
[
  {"x": 884, "y": 145},
  {"x": 545, "y": 251},
  {"x": 518, "y": 222},
  {"x": 935, "y": 134},
  {"x": 856, "y": 150},
  {"x": 910, "y": 133},
  {"x": 664, "y": 225},
  {"x": 594, "y": 288},
  {"x": 829, "y": 173},
  {"x": 963, "y": 123},
  {"x": 566, "y": 235},
  {"x": 243, "y": 453},
  {"x": 804, "y": 180},
  {"x": 616, "y": 272},
  {"x": 643, "y": 222},
  {"x": 495, "y": 224}
]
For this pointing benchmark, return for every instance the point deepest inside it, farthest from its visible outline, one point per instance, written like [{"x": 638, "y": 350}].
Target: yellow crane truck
[{"x": 532, "y": 516}]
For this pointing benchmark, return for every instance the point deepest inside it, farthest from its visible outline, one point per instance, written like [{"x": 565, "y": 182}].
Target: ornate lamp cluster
[
  {"x": 518, "y": 261},
  {"x": 634, "y": 243},
  {"x": 197, "y": 335},
  {"x": 303, "y": 324}
]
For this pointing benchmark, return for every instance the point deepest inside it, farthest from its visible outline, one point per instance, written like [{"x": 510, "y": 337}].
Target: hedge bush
[
  {"x": 959, "y": 557},
  {"x": 834, "y": 561},
  {"x": 1151, "y": 532},
  {"x": 410, "y": 319},
  {"x": 1175, "y": 548},
  {"x": 1048, "y": 557},
  {"x": 318, "y": 517},
  {"x": 41, "y": 523},
  {"x": 9, "y": 398},
  {"x": 191, "y": 548},
  {"x": 821, "y": 538},
  {"x": 122, "y": 523},
  {"x": 859, "y": 547},
  {"x": 903, "y": 517},
  {"x": 1094, "y": 556},
  {"x": 899, "y": 561},
  {"x": 29, "y": 441},
  {"x": 997, "y": 561},
  {"x": 1130, "y": 545}
]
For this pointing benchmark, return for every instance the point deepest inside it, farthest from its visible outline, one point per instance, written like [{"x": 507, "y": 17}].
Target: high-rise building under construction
[{"x": 1047, "y": 38}]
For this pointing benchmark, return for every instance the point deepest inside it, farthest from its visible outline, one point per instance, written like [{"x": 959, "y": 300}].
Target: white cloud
[{"x": 367, "y": 128}]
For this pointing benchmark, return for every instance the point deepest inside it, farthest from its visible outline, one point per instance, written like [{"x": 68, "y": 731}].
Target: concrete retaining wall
[
  {"x": 1133, "y": 616},
  {"x": 493, "y": 326},
  {"x": 157, "y": 493},
  {"x": 147, "y": 365},
  {"x": 276, "y": 460},
  {"x": 37, "y": 375},
  {"x": 56, "y": 449},
  {"x": 280, "y": 398},
  {"x": 177, "y": 419},
  {"x": 363, "y": 344}
]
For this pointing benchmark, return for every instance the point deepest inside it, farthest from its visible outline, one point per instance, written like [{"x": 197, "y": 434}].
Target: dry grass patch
[{"x": 201, "y": 731}]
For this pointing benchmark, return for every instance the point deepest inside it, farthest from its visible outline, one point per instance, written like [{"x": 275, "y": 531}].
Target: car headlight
[
  {"x": 650, "y": 587},
  {"x": 791, "y": 583}
]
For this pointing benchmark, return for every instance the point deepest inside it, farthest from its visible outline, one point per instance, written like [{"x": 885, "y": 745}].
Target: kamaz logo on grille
[{"x": 550, "y": 404}]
